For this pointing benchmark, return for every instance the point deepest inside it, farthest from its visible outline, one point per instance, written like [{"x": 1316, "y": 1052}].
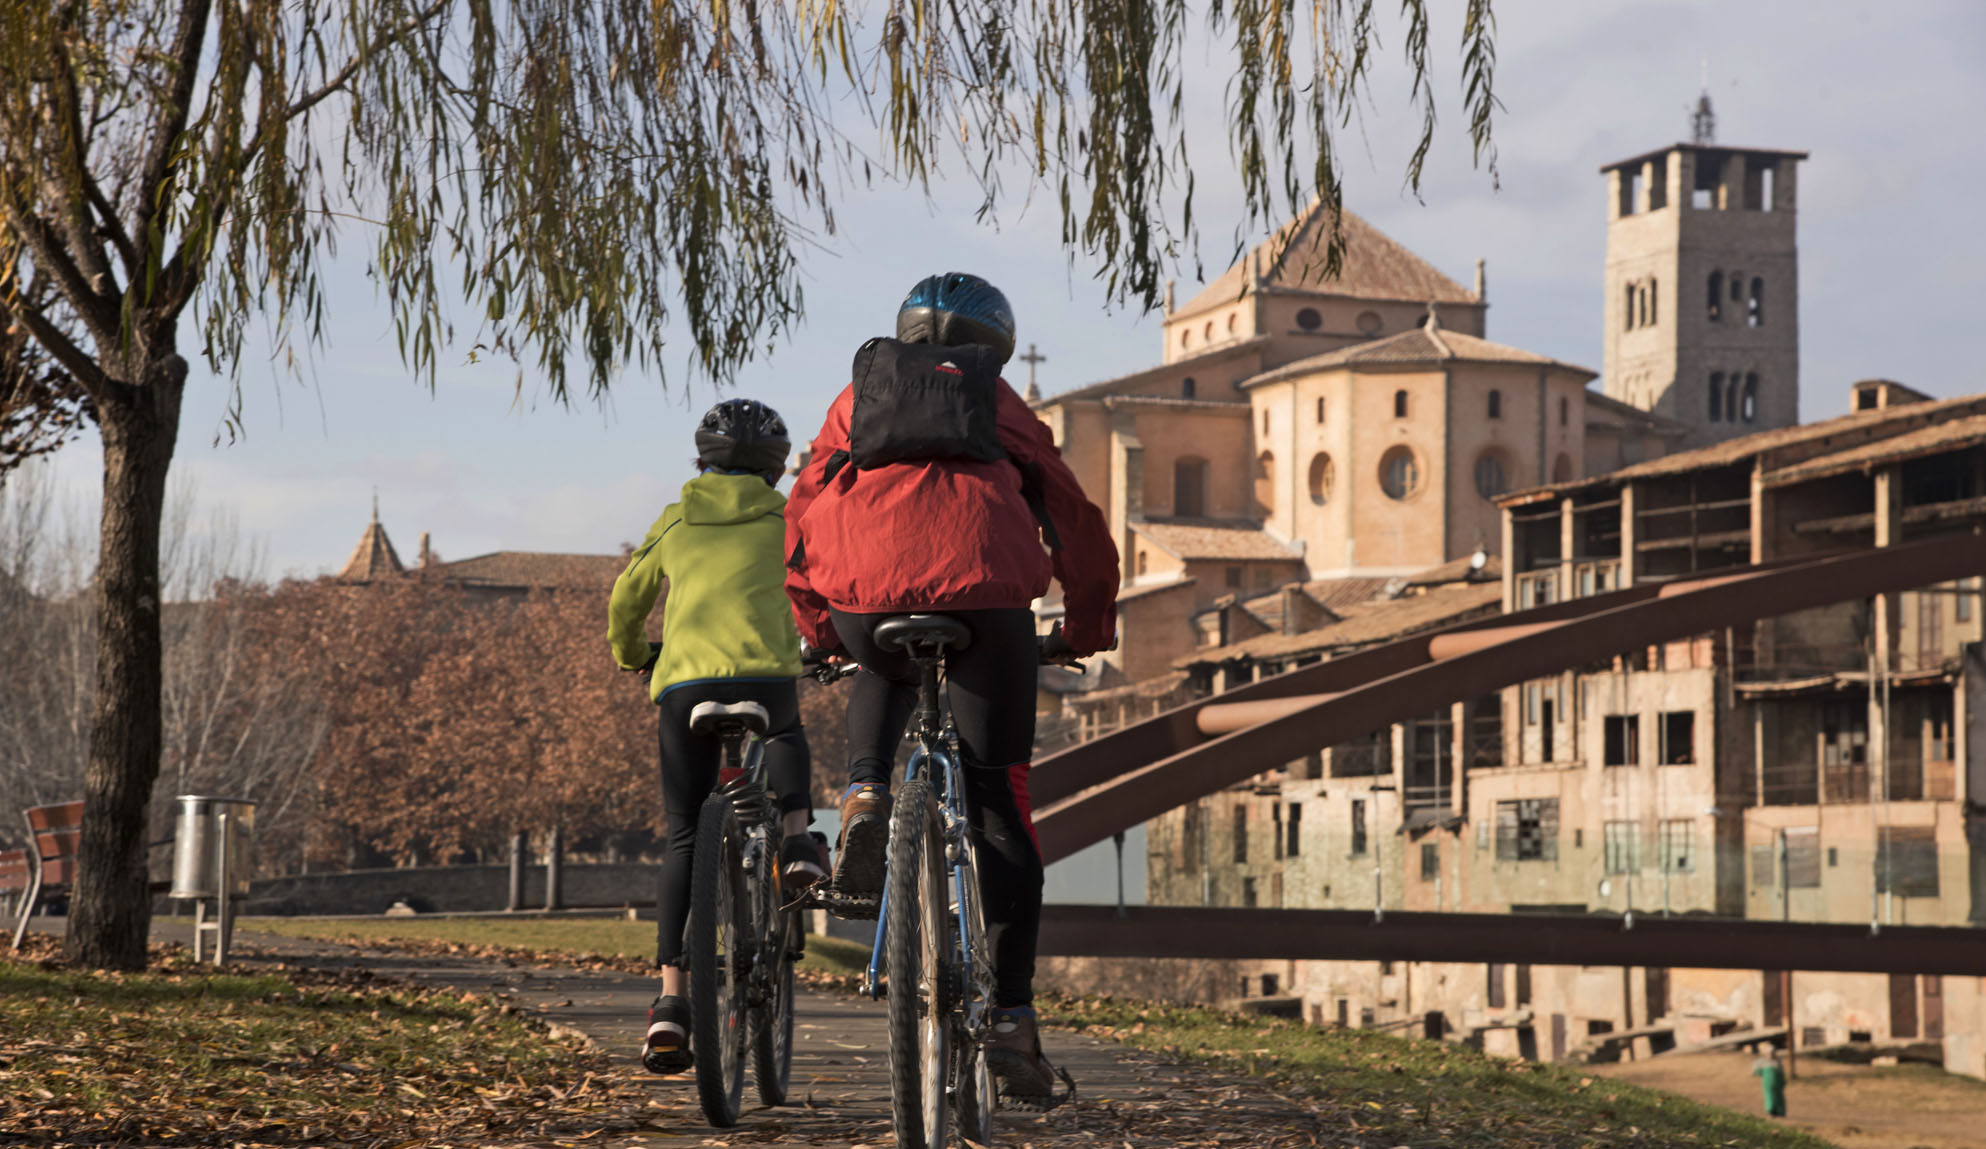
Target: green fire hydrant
[{"x": 1772, "y": 1078}]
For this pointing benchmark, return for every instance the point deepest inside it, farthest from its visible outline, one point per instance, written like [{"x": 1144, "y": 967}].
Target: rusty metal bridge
[{"x": 1087, "y": 793}]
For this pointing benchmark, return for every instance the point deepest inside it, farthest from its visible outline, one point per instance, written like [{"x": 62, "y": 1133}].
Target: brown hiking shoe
[
  {"x": 865, "y": 831},
  {"x": 1013, "y": 1054}
]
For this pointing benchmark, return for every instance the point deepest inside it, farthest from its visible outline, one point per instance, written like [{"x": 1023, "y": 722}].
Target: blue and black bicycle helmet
[
  {"x": 743, "y": 435},
  {"x": 956, "y": 308}
]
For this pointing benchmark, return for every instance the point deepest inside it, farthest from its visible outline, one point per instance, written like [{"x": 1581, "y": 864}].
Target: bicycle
[
  {"x": 931, "y": 930},
  {"x": 740, "y": 951}
]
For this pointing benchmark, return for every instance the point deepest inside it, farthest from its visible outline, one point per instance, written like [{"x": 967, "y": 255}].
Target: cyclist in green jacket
[{"x": 727, "y": 635}]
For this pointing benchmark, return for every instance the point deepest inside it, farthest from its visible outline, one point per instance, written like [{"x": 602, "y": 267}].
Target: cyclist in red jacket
[{"x": 933, "y": 487}]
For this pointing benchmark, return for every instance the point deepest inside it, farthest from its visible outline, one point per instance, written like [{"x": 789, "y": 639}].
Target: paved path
[{"x": 840, "y": 1085}]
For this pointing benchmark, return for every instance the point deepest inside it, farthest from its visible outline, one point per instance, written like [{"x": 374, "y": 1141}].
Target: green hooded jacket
[{"x": 722, "y": 552}]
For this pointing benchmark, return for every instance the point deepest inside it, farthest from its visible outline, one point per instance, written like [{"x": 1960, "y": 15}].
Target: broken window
[
  {"x": 1716, "y": 296},
  {"x": 1678, "y": 738},
  {"x": 1678, "y": 846},
  {"x": 1527, "y": 830},
  {"x": 1623, "y": 738},
  {"x": 1748, "y": 410},
  {"x": 1755, "y": 306},
  {"x": 1240, "y": 835},
  {"x": 1358, "y": 827},
  {"x": 1716, "y": 396}
]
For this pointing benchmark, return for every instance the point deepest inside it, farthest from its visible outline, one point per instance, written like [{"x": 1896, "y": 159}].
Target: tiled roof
[
  {"x": 373, "y": 557},
  {"x": 523, "y": 569},
  {"x": 1459, "y": 570},
  {"x": 1190, "y": 539},
  {"x": 1364, "y": 625},
  {"x": 1375, "y": 266},
  {"x": 1142, "y": 589},
  {"x": 1430, "y": 344},
  {"x": 1599, "y": 402},
  {"x": 1181, "y": 366},
  {"x": 1935, "y": 439},
  {"x": 1801, "y": 442}
]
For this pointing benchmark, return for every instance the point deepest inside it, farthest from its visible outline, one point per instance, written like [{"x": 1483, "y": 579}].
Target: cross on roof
[{"x": 1031, "y": 358}]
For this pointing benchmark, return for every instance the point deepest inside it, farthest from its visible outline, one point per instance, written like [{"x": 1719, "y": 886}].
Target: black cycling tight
[
  {"x": 991, "y": 685},
  {"x": 689, "y": 772}
]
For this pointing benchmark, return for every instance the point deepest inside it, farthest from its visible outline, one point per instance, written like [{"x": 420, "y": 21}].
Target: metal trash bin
[{"x": 196, "y": 860}]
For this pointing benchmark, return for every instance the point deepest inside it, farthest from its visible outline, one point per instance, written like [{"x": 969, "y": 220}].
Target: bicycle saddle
[
  {"x": 716, "y": 717},
  {"x": 903, "y": 631}
]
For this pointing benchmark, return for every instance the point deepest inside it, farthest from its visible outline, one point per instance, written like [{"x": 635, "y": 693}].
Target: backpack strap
[{"x": 1033, "y": 491}]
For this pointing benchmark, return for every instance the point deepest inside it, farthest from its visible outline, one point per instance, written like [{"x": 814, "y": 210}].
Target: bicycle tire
[
  {"x": 772, "y": 1020},
  {"x": 719, "y": 935},
  {"x": 917, "y": 941},
  {"x": 974, "y": 1096}
]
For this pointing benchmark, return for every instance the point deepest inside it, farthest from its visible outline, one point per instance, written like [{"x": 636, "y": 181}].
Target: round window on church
[
  {"x": 1321, "y": 477},
  {"x": 1492, "y": 474},
  {"x": 1310, "y": 319},
  {"x": 1399, "y": 473},
  {"x": 1369, "y": 323}
]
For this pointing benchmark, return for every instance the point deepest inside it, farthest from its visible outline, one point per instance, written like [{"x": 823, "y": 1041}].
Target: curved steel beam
[{"x": 1123, "y": 781}]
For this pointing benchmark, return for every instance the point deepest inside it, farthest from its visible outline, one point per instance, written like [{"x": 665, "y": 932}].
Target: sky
[{"x": 1891, "y": 257}]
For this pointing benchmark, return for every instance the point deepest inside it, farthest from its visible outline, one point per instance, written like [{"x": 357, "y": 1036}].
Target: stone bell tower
[{"x": 1702, "y": 285}]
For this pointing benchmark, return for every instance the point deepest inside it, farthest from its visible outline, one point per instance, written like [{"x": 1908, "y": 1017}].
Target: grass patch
[
  {"x": 606, "y": 942},
  {"x": 182, "y": 1055},
  {"x": 1426, "y": 1093}
]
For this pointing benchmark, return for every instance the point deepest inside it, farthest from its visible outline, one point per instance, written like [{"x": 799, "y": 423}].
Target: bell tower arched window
[
  {"x": 1755, "y": 306},
  {"x": 1716, "y": 396},
  {"x": 1716, "y": 296}
]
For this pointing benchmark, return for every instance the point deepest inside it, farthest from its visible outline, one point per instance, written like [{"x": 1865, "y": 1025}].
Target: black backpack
[{"x": 929, "y": 401}]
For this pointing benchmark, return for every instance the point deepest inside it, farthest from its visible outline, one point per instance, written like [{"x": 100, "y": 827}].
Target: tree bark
[{"x": 110, "y": 907}]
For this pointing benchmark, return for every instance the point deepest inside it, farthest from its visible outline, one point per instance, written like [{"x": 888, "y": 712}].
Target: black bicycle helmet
[
  {"x": 956, "y": 308},
  {"x": 743, "y": 435}
]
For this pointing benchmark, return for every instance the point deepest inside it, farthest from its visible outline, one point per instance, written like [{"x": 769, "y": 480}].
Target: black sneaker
[
  {"x": 802, "y": 862},
  {"x": 666, "y": 1049}
]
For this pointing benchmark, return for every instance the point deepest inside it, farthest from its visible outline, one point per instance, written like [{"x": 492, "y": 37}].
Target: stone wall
[{"x": 450, "y": 889}]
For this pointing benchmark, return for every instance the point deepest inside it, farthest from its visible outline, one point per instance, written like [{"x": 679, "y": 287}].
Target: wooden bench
[
  {"x": 14, "y": 873},
  {"x": 55, "y": 835}
]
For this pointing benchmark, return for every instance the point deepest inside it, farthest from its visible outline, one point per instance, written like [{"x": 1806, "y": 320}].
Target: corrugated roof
[
  {"x": 1859, "y": 427},
  {"x": 1430, "y": 344},
  {"x": 1935, "y": 439},
  {"x": 1240, "y": 539},
  {"x": 525, "y": 569},
  {"x": 1366, "y": 624},
  {"x": 1375, "y": 266}
]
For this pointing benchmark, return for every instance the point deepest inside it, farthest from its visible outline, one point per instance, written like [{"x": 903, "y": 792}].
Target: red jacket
[{"x": 946, "y": 534}]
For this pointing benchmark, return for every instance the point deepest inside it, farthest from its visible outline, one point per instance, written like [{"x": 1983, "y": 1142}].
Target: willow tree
[{"x": 592, "y": 179}]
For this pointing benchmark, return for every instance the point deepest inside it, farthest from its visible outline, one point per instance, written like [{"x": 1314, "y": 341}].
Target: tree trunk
[{"x": 110, "y": 909}]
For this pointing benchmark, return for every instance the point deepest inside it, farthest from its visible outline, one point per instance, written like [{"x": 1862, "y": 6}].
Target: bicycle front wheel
[
  {"x": 719, "y": 942},
  {"x": 918, "y": 943}
]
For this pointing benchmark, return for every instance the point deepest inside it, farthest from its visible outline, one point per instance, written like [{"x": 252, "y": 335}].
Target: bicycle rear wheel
[
  {"x": 772, "y": 1020},
  {"x": 719, "y": 942},
  {"x": 918, "y": 945}
]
